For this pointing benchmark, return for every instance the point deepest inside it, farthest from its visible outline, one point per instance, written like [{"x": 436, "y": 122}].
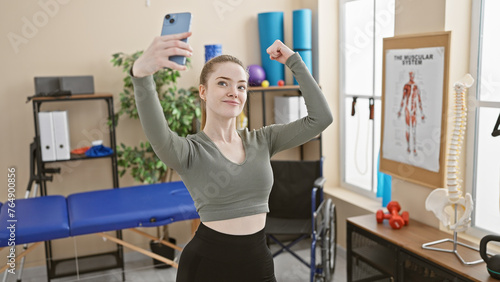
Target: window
[
  {"x": 364, "y": 23},
  {"x": 483, "y": 150}
]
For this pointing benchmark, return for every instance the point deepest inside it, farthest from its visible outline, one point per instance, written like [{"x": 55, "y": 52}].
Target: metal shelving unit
[{"x": 40, "y": 174}]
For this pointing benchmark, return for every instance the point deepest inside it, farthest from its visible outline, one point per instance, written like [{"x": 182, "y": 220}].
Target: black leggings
[{"x": 214, "y": 256}]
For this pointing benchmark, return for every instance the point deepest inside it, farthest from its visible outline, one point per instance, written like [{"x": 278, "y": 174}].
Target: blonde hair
[{"x": 208, "y": 68}]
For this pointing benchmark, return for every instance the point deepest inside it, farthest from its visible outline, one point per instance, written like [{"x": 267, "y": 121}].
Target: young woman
[{"x": 227, "y": 171}]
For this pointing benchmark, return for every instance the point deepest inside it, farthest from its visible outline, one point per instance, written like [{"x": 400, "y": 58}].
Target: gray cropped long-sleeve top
[{"x": 220, "y": 188}]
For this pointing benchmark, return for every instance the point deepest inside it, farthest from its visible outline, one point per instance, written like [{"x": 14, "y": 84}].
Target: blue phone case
[{"x": 177, "y": 23}]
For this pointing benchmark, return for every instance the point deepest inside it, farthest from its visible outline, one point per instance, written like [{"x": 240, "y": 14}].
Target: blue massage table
[{"x": 53, "y": 217}]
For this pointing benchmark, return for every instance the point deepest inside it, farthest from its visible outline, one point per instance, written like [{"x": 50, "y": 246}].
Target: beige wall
[{"x": 328, "y": 42}]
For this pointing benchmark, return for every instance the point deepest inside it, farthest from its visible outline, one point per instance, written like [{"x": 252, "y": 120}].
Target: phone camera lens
[
  {"x": 167, "y": 17},
  {"x": 172, "y": 20}
]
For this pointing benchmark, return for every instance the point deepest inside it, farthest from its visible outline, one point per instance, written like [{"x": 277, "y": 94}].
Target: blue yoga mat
[
  {"x": 270, "y": 29},
  {"x": 307, "y": 58}
]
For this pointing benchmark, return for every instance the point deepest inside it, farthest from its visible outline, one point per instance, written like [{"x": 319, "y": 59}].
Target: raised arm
[
  {"x": 319, "y": 116},
  {"x": 168, "y": 146}
]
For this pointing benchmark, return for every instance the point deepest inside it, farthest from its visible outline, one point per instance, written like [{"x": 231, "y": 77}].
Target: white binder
[
  {"x": 288, "y": 109},
  {"x": 47, "y": 136},
  {"x": 61, "y": 135}
]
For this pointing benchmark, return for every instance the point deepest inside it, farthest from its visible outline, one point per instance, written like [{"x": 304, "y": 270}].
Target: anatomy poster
[{"x": 413, "y": 102}]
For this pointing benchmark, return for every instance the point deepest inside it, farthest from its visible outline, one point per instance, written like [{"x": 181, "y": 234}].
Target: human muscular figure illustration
[{"x": 411, "y": 99}]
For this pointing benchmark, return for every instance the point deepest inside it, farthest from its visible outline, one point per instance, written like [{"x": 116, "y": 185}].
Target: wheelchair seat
[{"x": 297, "y": 207}]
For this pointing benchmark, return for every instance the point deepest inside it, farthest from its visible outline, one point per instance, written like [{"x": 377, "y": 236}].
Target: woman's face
[{"x": 226, "y": 90}]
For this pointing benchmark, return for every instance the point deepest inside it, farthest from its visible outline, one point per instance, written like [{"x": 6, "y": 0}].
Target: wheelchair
[{"x": 298, "y": 211}]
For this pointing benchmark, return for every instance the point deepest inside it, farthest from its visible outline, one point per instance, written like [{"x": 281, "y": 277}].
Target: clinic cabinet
[
  {"x": 263, "y": 114},
  {"x": 376, "y": 252},
  {"x": 41, "y": 174}
]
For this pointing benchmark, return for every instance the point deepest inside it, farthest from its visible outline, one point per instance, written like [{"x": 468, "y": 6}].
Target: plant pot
[{"x": 162, "y": 250}]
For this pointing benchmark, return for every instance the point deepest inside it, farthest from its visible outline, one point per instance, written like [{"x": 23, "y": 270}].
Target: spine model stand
[{"x": 451, "y": 205}]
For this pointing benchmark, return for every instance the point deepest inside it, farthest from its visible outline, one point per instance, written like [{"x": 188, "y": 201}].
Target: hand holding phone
[{"x": 177, "y": 23}]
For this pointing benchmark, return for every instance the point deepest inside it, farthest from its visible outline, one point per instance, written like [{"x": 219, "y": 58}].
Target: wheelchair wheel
[{"x": 329, "y": 241}]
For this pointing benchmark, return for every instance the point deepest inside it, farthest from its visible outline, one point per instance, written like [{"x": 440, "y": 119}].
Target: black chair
[{"x": 298, "y": 210}]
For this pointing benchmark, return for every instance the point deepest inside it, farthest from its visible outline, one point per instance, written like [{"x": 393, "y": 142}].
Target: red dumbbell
[{"x": 396, "y": 221}]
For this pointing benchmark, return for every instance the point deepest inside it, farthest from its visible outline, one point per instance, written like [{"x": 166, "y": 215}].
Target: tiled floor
[{"x": 139, "y": 268}]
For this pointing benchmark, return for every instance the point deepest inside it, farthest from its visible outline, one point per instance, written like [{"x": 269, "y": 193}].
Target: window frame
[{"x": 343, "y": 96}]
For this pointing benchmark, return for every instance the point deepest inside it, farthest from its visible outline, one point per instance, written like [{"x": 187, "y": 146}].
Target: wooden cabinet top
[{"x": 411, "y": 238}]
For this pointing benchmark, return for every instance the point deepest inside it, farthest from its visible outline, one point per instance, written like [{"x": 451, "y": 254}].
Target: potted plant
[{"x": 182, "y": 111}]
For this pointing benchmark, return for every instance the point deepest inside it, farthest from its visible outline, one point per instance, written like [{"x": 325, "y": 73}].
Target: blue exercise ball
[{"x": 256, "y": 75}]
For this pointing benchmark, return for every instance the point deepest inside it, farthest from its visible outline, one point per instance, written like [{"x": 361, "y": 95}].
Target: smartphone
[{"x": 177, "y": 23}]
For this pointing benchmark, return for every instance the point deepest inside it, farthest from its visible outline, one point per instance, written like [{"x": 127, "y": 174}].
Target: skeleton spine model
[
  {"x": 453, "y": 181},
  {"x": 440, "y": 200}
]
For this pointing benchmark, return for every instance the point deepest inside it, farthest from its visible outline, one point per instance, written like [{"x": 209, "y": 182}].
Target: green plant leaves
[{"x": 181, "y": 110}]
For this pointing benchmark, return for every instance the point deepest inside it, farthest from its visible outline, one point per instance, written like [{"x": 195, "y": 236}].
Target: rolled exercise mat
[
  {"x": 270, "y": 29},
  {"x": 212, "y": 51},
  {"x": 302, "y": 36}
]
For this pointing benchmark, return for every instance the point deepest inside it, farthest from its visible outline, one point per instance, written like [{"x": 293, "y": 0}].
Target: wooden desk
[{"x": 393, "y": 252}]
